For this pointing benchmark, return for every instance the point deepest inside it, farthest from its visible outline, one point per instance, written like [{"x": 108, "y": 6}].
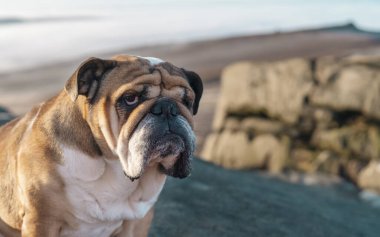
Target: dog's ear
[
  {"x": 87, "y": 78},
  {"x": 196, "y": 84}
]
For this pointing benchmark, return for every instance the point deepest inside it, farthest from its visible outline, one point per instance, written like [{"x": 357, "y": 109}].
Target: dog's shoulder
[{"x": 13, "y": 131}]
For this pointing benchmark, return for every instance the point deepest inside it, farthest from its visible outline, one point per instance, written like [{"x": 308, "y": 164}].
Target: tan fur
[
  {"x": 137, "y": 228},
  {"x": 32, "y": 196}
]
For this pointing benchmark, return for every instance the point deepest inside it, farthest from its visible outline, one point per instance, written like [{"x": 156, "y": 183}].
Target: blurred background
[
  {"x": 42, "y": 31},
  {"x": 289, "y": 123}
]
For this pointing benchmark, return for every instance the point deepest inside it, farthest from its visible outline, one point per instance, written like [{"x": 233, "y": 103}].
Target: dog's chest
[{"x": 101, "y": 197}]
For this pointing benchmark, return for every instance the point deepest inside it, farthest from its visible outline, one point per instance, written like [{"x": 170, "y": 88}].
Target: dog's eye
[{"x": 131, "y": 99}]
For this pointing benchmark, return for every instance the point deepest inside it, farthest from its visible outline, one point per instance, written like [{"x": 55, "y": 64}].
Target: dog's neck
[{"x": 68, "y": 124}]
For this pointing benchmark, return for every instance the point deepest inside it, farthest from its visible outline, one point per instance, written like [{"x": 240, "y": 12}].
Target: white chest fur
[{"x": 101, "y": 197}]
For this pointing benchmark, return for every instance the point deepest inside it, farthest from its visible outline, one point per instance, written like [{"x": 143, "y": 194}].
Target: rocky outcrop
[
  {"x": 263, "y": 151},
  {"x": 259, "y": 88},
  {"x": 309, "y": 115},
  {"x": 349, "y": 84},
  {"x": 369, "y": 177}
]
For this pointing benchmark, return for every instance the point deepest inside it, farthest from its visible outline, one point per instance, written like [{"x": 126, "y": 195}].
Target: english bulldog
[{"x": 93, "y": 160}]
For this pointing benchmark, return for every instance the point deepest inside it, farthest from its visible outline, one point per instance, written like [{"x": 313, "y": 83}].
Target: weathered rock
[
  {"x": 280, "y": 155},
  {"x": 276, "y": 89},
  {"x": 353, "y": 87},
  {"x": 369, "y": 177},
  {"x": 324, "y": 118},
  {"x": 259, "y": 125},
  {"x": 303, "y": 160},
  {"x": 358, "y": 140},
  {"x": 310, "y": 161},
  {"x": 351, "y": 169},
  {"x": 236, "y": 150},
  {"x": 328, "y": 162},
  {"x": 328, "y": 109},
  {"x": 209, "y": 147},
  {"x": 232, "y": 124},
  {"x": 327, "y": 67},
  {"x": 220, "y": 115},
  {"x": 232, "y": 151},
  {"x": 305, "y": 125}
]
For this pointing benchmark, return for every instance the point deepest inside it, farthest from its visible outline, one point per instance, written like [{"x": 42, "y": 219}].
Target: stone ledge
[{"x": 328, "y": 108}]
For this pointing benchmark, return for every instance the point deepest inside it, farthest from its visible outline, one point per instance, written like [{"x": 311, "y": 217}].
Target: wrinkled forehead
[
  {"x": 138, "y": 73},
  {"x": 132, "y": 67}
]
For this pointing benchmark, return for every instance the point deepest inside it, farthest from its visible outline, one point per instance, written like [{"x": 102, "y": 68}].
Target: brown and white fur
[{"x": 93, "y": 160}]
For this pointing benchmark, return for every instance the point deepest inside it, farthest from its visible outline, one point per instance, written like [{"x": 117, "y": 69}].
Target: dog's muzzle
[{"x": 164, "y": 138}]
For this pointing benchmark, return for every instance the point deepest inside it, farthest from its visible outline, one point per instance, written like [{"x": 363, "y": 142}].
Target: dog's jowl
[{"x": 92, "y": 160}]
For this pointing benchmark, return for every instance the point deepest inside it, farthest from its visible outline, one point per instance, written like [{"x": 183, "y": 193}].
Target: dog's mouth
[
  {"x": 167, "y": 145},
  {"x": 171, "y": 154},
  {"x": 166, "y": 151}
]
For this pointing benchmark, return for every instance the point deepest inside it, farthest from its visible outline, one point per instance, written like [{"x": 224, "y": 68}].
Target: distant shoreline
[
  {"x": 26, "y": 20},
  {"x": 348, "y": 28}
]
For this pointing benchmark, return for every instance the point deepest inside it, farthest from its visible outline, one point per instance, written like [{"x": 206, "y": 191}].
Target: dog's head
[{"x": 139, "y": 110}]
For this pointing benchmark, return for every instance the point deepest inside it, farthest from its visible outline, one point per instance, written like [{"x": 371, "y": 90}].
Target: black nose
[{"x": 165, "y": 107}]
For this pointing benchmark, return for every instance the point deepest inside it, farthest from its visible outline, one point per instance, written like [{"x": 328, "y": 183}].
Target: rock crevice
[{"x": 310, "y": 115}]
